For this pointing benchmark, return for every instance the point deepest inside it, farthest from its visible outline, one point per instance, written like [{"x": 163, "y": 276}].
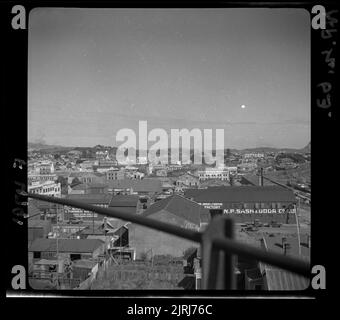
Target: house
[
  {"x": 161, "y": 173},
  {"x": 114, "y": 232},
  {"x": 74, "y": 154},
  {"x": 213, "y": 173},
  {"x": 83, "y": 268},
  {"x": 47, "y": 188},
  {"x": 47, "y": 210},
  {"x": 74, "y": 249},
  {"x": 86, "y": 177},
  {"x": 88, "y": 188},
  {"x": 147, "y": 187},
  {"x": 45, "y": 167},
  {"x": 175, "y": 210},
  {"x": 33, "y": 177},
  {"x": 124, "y": 203},
  {"x": 187, "y": 180},
  {"x": 100, "y": 199},
  {"x": 115, "y": 174}
]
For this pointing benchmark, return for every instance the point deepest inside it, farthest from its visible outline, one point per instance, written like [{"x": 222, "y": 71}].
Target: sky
[{"x": 92, "y": 72}]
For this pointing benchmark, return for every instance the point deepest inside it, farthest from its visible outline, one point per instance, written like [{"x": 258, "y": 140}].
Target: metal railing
[{"x": 217, "y": 243}]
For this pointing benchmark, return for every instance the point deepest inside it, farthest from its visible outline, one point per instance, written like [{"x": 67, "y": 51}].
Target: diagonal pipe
[{"x": 291, "y": 264}]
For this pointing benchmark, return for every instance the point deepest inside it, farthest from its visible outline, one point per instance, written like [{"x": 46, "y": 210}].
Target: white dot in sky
[{"x": 243, "y": 106}]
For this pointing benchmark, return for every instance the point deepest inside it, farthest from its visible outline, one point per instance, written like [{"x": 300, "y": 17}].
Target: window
[
  {"x": 75, "y": 257},
  {"x": 36, "y": 255}
]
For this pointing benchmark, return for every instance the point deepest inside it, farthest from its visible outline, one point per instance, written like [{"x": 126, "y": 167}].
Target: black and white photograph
[
  {"x": 166, "y": 152},
  {"x": 182, "y": 116}
]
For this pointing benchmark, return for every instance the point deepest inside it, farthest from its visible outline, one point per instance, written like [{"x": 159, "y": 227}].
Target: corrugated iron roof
[
  {"x": 124, "y": 201},
  {"x": 65, "y": 245},
  {"x": 144, "y": 185},
  {"x": 241, "y": 194},
  {"x": 181, "y": 207},
  {"x": 91, "y": 198},
  {"x": 278, "y": 279}
]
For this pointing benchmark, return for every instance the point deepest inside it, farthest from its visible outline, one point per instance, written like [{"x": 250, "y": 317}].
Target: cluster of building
[{"x": 68, "y": 246}]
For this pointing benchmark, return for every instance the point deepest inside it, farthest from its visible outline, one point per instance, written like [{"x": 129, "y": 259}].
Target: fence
[{"x": 218, "y": 245}]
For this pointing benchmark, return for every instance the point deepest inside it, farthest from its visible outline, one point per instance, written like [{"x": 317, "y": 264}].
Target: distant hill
[
  {"x": 270, "y": 149},
  {"x": 42, "y": 146},
  {"x": 33, "y": 146},
  {"x": 306, "y": 149}
]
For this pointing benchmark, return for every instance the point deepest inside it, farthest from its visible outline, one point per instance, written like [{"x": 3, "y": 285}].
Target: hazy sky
[{"x": 95, "y": 71}]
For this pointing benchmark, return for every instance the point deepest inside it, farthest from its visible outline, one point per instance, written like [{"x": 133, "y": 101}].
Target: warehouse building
[{"x": 248, "y": 203}]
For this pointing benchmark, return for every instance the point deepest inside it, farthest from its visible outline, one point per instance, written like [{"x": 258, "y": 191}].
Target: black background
[{"x": 323, "y": 166}]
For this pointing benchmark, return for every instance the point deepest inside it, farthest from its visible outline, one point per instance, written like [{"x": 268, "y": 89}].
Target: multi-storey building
[{"x": 48, "y": 188}]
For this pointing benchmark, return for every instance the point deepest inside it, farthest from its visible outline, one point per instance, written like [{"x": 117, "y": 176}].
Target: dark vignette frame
[{"x": 15, "y": 114}]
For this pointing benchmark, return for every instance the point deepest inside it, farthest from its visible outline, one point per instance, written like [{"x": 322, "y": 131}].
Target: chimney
[
  {"x": 285, "y": 246},
  {"x": 261, "y": 177},
  {"x": 284, "y": 242}
]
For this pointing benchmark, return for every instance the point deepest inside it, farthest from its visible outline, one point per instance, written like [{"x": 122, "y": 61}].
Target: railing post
[{"x": 217, "y": 265}]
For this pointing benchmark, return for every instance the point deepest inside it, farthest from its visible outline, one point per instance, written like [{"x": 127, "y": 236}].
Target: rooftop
[
  {"x": 274, "y": 243},
  {"x": 84, "y": 263},
  {"x": 91, "y": 198},
  {"x": 65, "y": 245},
  {"x": 181, "y": 207},
  {"x": 279, "y": 279},
  {"x": 144, "y": 185},
  {"x": 124, "y": 201},
  {"x": 85, "y": 186},
  {"x": 241, "y": 194}
]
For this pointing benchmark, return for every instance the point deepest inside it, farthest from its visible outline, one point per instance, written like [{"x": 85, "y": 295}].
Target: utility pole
[
  {"x": 298, "y": 225},
  {"x": 92, "y": 222},
  {"x": 57, "y": 237}
]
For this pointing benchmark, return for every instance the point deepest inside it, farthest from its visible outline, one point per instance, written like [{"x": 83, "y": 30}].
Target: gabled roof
[
  {"x": 124, "y": 201},
  {"x": 180, "y": 207},
  {"x": 85, "y": 174},
  {"x": 66, "y": 245},
  {"x": 85, "y": 186},
  {"x": 241, "y": 194},
  {"x": 144, "y": 185},
  {"x": 115, "y": 223},
  {"x": 91, "y": 198},
  {"x": 189, "y": 175}
]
